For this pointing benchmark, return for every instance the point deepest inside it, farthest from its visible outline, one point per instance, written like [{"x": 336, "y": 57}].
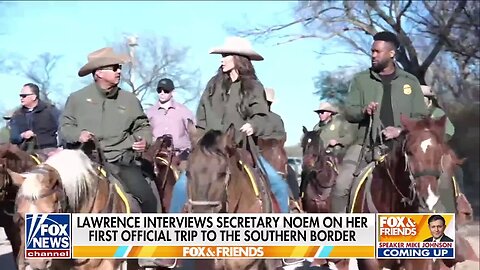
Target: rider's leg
[
  {"x": 133, "y": 179},
  {"x": 446, "y": 191},
  {"x": 278, "y": 184},
  {"x": 293, "y": 182},
  {"x": 341, "y": 189},
  {"x": 179, "y": 194}
]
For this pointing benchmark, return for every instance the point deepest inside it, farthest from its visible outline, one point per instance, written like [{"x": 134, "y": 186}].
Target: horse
[
  {"x": 221, "y": 181},
  {"x": 12, "y": 158},
  {"x": 408, "y": 178},
  {"x": 274, "y": 152},
  {"x": 319, "y": 171},
  {"x": 57, "y": 187},
  {"x": 162, "y": 155}
]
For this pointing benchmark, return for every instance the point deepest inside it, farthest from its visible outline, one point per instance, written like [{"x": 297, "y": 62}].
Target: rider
[
  {"x": 235, "y": 96},
  {"x": 170, "y": 117},
  {"x": 384, "y": 91},
  {"x": 115, "y": 118},
  {"x": 336, "y": 133},
  {"x": 34, "y": 125}
]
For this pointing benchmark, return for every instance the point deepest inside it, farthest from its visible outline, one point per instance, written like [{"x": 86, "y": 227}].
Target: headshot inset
[{"x": 436, "y": 224}]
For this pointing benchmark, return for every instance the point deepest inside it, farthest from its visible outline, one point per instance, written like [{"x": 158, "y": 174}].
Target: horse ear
[
  {"x": 17, "y": 178},
  {"x": 305, "y": 130},
  {"x": 229, "y": 136},
  {"x": 407, "y": 123},
  {"x": 440, "y": 124}
]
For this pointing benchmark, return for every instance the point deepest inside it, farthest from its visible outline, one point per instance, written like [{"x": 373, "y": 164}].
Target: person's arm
[
  {"x": 141, "y": 126},
  {"x": 201, "y": 116},
  {"x": 258, "y": 108},
  {"x": 69, "y": 130},
  {"x": 347, "y": 133},
  {"x": 354, "y": 107},
  {"x": 419, "y": 109}
]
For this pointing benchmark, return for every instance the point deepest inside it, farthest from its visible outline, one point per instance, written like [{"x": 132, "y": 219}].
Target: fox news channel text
[
  {"x": 222, "y": 235},
  {"x": 406, "y": 236}
]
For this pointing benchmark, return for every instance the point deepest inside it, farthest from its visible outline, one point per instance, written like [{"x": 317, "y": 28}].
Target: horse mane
[
  {"x": 80, "y": 180},
  {"x": 208, "y": 144}
]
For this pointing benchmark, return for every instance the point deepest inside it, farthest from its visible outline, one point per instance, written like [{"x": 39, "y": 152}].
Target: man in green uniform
[
  {"x": 115, "y": 117},
  {"x": 5, "y": 131},
  {"x": 276, "y": 128},
  {"x": 380, "y": 94},
  {"x": 336, "y": 133},
  {"x": 436, "y": 112}
]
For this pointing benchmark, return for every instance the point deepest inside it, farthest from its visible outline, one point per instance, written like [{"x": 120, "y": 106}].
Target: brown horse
[
  {"x": 165, "y": 162},
  {"x": 57, "y": 187},
  {"x": 319, "y": 171},
  {"x": 408, "y": 178},
  {"x": 220, "y": 181},
  {"x": 12, "y": 158},
  {"x": 274, "y": 152}
]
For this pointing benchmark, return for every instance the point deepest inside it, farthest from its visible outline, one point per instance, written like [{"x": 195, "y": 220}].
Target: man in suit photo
[{"x": 436, "y": 224}]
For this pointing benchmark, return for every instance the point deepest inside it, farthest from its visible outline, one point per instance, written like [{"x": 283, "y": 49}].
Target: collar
[
  {"x": 40, "y": 106},
  {"x": 376, "y": 76},
  {"x": 172, "y": 105},
  {"x": 110, "y": 94}
]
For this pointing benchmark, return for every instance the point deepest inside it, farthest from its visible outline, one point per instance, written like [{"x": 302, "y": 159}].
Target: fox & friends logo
[
  {"x": 416, "y": 236},
  {"x": 47, "y": 235}
]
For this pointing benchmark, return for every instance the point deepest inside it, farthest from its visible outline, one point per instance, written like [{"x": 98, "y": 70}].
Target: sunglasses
[
  {"x": 160, "y": 90},
  {"x": 25, "y": 95},
  {"x": 113, "y": 68}
]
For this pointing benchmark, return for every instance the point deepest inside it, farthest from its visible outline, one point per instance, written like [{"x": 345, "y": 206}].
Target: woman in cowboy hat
[{"x": 235, "y": 96}]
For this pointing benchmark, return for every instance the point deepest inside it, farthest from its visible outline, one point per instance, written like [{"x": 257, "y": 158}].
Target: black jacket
[{"x": 43, "y": 121}]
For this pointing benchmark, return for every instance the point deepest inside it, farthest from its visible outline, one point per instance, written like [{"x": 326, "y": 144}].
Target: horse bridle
[{"x": 214, "y": 205}]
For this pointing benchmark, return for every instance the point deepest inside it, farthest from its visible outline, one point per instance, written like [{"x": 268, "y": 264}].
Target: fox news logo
[
  {"x": 47, "y": 236},
  {"x": 396, "y": 226}
]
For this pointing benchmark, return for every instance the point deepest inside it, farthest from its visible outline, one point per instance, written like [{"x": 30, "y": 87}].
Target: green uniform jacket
[
  {"x": 437, "y": 113},
  {"x": 366, "y": 86},
  {"x": 275, "y": 128},
  {"x": 4, "y": 135},
  {"x": 216, "y": 113},
  {"x": 114, "y": 119},
  {"x": 337, "y": 129}
]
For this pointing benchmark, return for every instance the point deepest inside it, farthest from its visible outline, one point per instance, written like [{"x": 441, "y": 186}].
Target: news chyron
[
  {"x": 410, "y": 236},
  {"x": 48, "y": 236}
]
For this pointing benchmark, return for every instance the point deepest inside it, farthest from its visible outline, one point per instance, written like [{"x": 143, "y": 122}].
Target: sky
[{"x": 74, "y": 29}]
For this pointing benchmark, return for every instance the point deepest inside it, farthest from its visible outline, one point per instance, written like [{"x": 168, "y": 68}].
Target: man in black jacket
[
  {"x": 436, "y": 224},
  {"x": 34, "y": 126}
]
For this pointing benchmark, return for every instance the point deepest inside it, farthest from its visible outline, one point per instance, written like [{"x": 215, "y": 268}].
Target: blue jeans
[{"x": 277, "y": 183}]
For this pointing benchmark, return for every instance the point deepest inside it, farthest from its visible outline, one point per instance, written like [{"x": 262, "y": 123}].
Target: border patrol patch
[{"x": 407, "y": 89}]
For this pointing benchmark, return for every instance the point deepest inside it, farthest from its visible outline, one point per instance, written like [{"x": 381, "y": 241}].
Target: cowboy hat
[
  {"x": 427, "y": 91},
  {"x": 326, "y": 106},
  {"x": 239, "y": 46},
  {"x": 102, "y": 58},
  {"x": 270, "y": 94}
]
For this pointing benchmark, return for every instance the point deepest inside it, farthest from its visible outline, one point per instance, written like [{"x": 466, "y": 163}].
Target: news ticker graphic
[
  {"x": 230, "y": 236},
  {"x": 403, "y": 236}
]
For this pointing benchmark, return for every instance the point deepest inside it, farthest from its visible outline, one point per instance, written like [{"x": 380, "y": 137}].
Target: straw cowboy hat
[
  {"x": 270, "y": 94},
  {"x": 326, "y": 106},
  {"x": 102, "y": 58},
  {"x": 427, "y": 91},
  {"x": 237, "y": 45}
]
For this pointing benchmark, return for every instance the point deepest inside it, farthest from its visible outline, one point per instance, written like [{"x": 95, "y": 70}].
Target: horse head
[
  {"x": 208, "y": 171},
  {"x": 313, "y": 151},
  {"x": 427, "y": 156},
  {"x": 14, "y": 159}
]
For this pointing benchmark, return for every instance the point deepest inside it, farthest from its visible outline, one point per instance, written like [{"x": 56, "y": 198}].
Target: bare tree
[
  {"x": 354, "y": 22},
  {"x": 39, "y": 71},
  {"x": 154, "y": 59}
]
